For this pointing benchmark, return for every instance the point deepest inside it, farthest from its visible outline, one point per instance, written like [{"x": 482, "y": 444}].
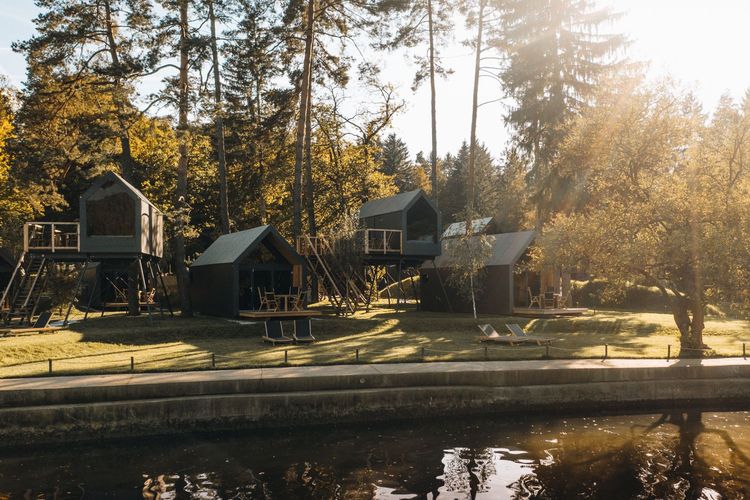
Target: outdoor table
[{"x": 284, "y": 298}]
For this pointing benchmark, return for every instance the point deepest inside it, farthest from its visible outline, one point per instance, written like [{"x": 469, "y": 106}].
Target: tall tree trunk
[
  {"x": 473, "y": 152},
  {"x": 302, "y": 122},
  {"x": 182, "y": 167},
  {"x": 312, "y": 225},
  {"x": 433, "y": 107},
  {"x": 126, "y": 156},
  {"x": 219, "y": 124},
  {"x": 262, "y": 209},
  {"x": 474, "y": 110}
]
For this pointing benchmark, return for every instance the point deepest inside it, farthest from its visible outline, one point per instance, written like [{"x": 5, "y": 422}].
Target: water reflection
[{"x": 669, "y": 455}]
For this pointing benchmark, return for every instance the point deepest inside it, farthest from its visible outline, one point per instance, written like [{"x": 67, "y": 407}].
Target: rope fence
[{"x": 310, "y": 355}]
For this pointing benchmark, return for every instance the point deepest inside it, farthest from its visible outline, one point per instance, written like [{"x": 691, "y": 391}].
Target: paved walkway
[{"x": 363, "y": 370}]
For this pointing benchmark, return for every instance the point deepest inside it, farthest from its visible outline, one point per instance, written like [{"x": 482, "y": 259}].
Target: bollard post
[
  {"x": 486, "y": 353},
  {"x": 606, "y": 351},
  {"x": 50, "y": 365},
  {"x": 744, "y": 353},
  {"x": 669, "y": 351},
  {"x": 356, "y": 355},
  {"x": 423, "y": 354},
  {"x": 286, "y": 356},
  {"x": 132, "y": 363},
  {"x": 213, "y": 360},
  {"x": 546, "y": 350}
]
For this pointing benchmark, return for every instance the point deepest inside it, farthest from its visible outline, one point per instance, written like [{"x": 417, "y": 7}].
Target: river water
[{"x": 661, "y": 455}]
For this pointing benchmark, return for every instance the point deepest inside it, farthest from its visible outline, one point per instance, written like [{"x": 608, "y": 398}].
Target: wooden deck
[
  {"x": 535, "y": 312},
  {"x": 279, "y": 314}
]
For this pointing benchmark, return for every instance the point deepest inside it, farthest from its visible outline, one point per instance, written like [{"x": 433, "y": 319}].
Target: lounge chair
[
  {"x": 275, "y": 332},
  {"x": 303, "y": 330},
  {"x": 491, "y": 335},
  {"x": 41, "y": 325},
  {"x": 516, "y": 330}
]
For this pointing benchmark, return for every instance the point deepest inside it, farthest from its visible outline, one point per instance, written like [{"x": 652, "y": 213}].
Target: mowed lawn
[{"x": 382, "y": 336}]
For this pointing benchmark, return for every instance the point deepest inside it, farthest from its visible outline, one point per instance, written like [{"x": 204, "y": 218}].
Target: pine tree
[
  {"x": 259, "y": 108},
  {"x": 106, "y": 44},
  {"x": 556, "y": 55},
  {"x": 393, "y": 159},
  {"x": 417, "y": 23}
]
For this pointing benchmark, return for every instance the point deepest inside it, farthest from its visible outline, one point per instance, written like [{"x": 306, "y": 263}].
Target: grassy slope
[{"x": 106, "y": 344}]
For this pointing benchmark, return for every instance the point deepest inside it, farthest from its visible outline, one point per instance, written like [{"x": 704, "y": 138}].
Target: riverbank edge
[{"x": 82, "y": 408}]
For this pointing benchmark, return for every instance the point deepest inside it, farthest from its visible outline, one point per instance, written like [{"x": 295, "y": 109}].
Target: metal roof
[
  {"x": 478, "y": 226},
  {"x": 507, "y": 248},
  {"x": 390, "y": 204},
  {"x": 112, "y": 176},
  {"x": 230, "y": 248}
]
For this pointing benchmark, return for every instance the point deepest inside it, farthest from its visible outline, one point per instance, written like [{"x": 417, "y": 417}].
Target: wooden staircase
[
  {"x": 23, "y": 292},
  {"x": 346, "y": 289}
]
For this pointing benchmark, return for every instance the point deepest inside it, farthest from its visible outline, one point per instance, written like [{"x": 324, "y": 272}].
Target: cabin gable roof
[
  {"x": 232, "y": 248},
  {"x": 390, "y": 204}
]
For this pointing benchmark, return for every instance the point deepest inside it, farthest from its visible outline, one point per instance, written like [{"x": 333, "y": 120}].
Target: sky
[{"x": 701, "y": 43}]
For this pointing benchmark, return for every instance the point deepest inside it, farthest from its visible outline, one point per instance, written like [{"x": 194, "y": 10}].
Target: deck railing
[
  {"x": 51, "y": 236},
  {"x": 369, "y": 241},
  {"x": 383, "y": 241}
]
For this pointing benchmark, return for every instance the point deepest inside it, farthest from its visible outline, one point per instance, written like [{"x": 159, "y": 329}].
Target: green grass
[{"x": 382, "y": 336}]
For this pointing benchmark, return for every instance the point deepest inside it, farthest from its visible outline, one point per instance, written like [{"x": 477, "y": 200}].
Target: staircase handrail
[
  {"x": 328, "y": 275},
  {"x": 19, "y": 263}
]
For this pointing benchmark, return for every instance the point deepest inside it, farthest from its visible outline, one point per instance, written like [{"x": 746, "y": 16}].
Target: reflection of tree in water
[
  {"x": 648, "y": 464},
  {"x": 468, "y": 470},
  {"x": 244, "y": 485}
]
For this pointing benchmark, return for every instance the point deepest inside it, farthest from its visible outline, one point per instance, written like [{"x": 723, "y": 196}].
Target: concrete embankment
[{"x": 53, "y": 409}]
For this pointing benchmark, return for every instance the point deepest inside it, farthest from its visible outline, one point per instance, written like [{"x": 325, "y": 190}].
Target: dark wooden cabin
[
  {"x": 225, "y": 279},
  {"x": 115, "y": 218},
  {"x": 501, "y": 282},
  {"x": 405, "y": 225}
]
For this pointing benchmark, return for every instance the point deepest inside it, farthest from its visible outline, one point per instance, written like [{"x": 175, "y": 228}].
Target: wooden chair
[
  {"x": 549, "y": 300},
  {"x": 271, "y": 303},
  {"x": 295, "y": 302},
  {"x": 534, "y": 299},
  {"x": 148, "y": 296}
]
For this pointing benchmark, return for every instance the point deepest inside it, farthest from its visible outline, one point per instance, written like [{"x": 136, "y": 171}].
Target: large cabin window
[
  {"x": 421, "y": 222},
  {"x": 110, "y": 215}
]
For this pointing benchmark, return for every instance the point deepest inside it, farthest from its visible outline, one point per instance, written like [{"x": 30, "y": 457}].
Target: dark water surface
[{"x": 671, "y": 455}]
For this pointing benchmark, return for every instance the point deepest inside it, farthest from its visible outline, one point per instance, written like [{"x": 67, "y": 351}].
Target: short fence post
[
  {"x": 213, "y": 360},
  {"x": 356, "y": 355},
  {"x": 286, "y": 356},
  {"x": 744, "y": 352},
  {"x": 423, "y": 354},
  {"x": 49, "y": 361},
  {"x": 669, "y": 351},
  {"x": 606, "y": 351},
  {"x": 546, "y": 350},
  {"x": 132, "y": 363},
  {"x": 486, "y": 353}
]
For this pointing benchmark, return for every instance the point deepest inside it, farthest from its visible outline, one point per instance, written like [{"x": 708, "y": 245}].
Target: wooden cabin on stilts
[
  {"x": 397, "y": 235},
  {"x": 119, "y": 231}
]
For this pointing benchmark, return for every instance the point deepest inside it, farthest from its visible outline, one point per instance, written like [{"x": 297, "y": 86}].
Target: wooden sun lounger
[
  {"x": 516, "y": 330},
  {"x": 41, "y": 325},
  {"x": 275, "y": 332},
  {"x": 303, "y": 331},
  {"x": 491, "y": 335}
]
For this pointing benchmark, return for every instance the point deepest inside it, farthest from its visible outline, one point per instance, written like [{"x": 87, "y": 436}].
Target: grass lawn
[{"x": 382, "y": 336}]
